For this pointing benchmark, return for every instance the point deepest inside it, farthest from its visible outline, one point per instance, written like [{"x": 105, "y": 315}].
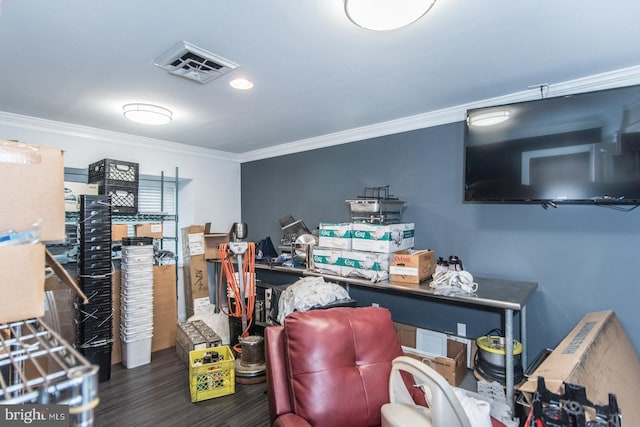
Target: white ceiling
[{"x": 315, "y": 73}]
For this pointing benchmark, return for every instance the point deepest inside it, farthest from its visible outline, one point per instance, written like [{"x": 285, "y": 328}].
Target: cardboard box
[
  {"x": 598, "y": 355},
  {"x": 412, "y": 267},
  {"x": 406, "y": 334},
  {"x": 335, "y": 235},
  {"x": 212, "y": 242},
  {"x": 149, "y": 230},
  {"x": 453, "y": 367},
  {"x": 367, "y": 265},
  {"x": 326, "y": 260},
  {"x": 192, "y": 240},
  {"x": 72, "y": 193},
  {"x": 382, "y": 238},
  {"x": 119, "y": 231},
  {"x": 196, "y": 284},
  {"x": 32, "y": 189},
  {"x": 21, "y": 282}
]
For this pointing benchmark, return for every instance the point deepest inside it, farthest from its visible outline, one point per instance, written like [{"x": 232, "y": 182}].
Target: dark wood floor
[{"x": 157, "y": 394}]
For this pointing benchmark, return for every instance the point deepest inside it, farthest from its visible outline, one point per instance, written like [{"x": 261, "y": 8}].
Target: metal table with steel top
[{"x": 506, "y": 295}]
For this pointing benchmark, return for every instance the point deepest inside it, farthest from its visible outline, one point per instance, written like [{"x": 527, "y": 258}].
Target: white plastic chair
[{"x": 445, "y": 409}]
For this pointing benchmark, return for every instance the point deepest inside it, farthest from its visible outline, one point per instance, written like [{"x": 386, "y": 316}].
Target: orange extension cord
[{"x": 236, "y": 308}]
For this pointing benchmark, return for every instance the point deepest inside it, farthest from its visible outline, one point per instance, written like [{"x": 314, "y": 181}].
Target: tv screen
[{"x": 582, "y": 148}]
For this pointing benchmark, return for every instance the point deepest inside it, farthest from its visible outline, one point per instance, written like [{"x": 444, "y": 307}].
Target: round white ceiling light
[
  {"x": 488, "y": 118},
  {"x": 147, "y": 114},
  {"x": 241, "y": 84},
  {"x": 385, "y": 15}
]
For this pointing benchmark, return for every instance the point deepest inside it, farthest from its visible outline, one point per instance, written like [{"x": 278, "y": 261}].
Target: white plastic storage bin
[
  {"x": 136, "y": 353},
  {"x": 143, "y": 313},
  {"x": 137, "y": 275}
]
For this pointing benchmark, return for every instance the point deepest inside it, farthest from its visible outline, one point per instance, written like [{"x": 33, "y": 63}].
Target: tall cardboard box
[
  {"x": 598, "y": 355},
  {"x": 412, "y": 267},
  {"x": 32, "y": 189},
  {"x": 196, "y": 285}
]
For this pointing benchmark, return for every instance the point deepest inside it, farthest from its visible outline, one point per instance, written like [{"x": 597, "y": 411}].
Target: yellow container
[{"x": 211, "y": 379}]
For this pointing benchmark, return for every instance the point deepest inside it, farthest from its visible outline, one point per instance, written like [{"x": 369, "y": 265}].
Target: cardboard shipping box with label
[
  {"x": 412, "y": 267},
  {"x": 196, "y": 284},
  {"x": 597, "y": 355}
]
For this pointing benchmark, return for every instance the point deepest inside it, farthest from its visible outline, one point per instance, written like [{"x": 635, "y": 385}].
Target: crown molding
[
  {"x": 618, "y": 78},
  {"x": 111, "y": 137}
]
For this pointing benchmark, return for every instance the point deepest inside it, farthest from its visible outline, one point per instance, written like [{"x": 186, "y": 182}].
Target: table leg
[
  {"x": 508, "y": 329},
  {"x": 523, "y": 335}
]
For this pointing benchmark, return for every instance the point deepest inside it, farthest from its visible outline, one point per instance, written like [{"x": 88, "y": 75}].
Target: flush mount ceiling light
[
  {"x": 147, "y": 114},
  {"x": 488, "y": 118},
  {"x": 242, "y": 84},
  {"x": 384, "y": 15}
]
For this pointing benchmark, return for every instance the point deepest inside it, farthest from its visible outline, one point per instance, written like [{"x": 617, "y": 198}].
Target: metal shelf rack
[{"x": 39, "y": 367}]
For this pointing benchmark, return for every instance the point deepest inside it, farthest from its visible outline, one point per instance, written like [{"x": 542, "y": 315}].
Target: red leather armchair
[{"x": 330, "y": 367}]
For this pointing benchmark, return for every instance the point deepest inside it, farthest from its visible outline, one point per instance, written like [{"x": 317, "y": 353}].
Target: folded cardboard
[
  {"x": 164, "y": 307},
  {"x": 72, "y": 193},
  {"x": 32, "y": 189},
  {"x": 412, "y": 267},
  {"x": 382, "y": 238},
  {"x": 119, "y": 231},
  {"x": 149, "y": 230},
  {"x": 21, "y": 282},
  {"x": 598, "y": 355}
]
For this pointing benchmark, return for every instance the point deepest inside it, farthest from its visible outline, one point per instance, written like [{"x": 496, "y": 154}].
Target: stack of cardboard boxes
[{"x": 372, "y": 251}]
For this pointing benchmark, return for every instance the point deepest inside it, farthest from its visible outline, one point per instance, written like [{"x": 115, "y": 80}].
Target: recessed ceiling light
[
  {"x": 147, "y": 114},
  {"x": 242, "y": 84},
  {"x": 488, "y": 118},
  {"x": 384, "y": 15}
]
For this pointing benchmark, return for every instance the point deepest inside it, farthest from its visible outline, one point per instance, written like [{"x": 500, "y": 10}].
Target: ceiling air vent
[{"x": 191, "y": 62}]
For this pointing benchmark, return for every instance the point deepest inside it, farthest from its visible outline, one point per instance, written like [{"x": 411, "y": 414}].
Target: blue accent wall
[{"x": 584, "y": 258}]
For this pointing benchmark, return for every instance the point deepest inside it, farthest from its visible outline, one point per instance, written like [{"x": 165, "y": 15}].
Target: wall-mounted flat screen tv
[{"x": 582, "y": 148}]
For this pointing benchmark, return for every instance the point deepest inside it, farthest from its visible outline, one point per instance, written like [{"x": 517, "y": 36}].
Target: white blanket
[{"x": 306, "y": 293}]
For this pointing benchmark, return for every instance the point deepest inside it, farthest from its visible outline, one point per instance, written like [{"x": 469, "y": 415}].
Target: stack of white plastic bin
[{"x": 136, "y": 301}]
